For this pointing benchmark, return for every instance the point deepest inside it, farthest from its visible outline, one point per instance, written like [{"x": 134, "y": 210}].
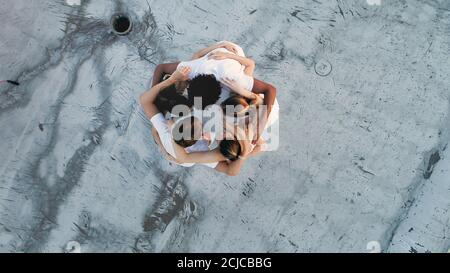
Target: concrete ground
[{"x": 362, "y": 164}]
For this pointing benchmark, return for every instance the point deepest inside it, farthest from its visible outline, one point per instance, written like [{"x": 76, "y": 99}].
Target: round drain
[
  {"x": 323, "y": 68},
  {"x": 121, "y": 24}
]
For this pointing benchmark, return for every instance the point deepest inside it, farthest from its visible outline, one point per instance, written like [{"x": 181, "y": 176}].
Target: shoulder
[
  {"x": 158, "y": 119},
  {"x": 160, "y": 123},
  {"x": 195, "y": 65}
]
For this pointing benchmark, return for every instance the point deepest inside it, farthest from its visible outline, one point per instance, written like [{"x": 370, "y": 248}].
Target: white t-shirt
[
  {"x": 221, "y": 69},
  {"x": 162, "y": 127}
]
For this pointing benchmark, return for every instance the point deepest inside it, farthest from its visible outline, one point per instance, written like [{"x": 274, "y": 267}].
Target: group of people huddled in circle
[{"x": 211, "y": 110}]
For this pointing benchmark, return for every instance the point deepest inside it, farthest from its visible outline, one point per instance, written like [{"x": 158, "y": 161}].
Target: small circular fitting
[
  {"x": 121, "y": 24},
  {"x": 323, "y": 68}
]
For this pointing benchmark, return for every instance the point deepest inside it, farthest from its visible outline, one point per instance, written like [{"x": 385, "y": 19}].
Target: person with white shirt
[
  {"x": 226, "y": 62},
  {"x": 223, "y": 60},
  {"x": 162, "y": 132},
  {"x": 166, "y": 130}
]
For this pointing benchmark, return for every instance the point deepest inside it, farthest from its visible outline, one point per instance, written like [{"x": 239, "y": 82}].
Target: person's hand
[
  {"x": 230, "y": 47},
  {"x": 257, "y": 139},
  {"x": 181, "y": 74},
  {"x": 256, "y": 151},
  {"x": 257, "y": 101},
  {"x": 218, "y": 55}
]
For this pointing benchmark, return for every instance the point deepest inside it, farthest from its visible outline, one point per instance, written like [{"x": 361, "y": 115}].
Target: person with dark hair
[
  {"x": 224, "y": 62},
  {"x": 205, "y": 87},
  {"x": 185, "y": 133},
  {"x": 242, "y": 109},
  {"x": 227, "y": 62},
  {"x": 230, "y": 149},
  {"x": 232, "y": 152},
  {"x": 217, "y": 62},
  {"x": 169, "y": 98},
  {"x": 180, "y": 137}
]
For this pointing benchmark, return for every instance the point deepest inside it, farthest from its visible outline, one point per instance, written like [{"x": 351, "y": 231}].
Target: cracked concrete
[{"x": 364, "y": 129}]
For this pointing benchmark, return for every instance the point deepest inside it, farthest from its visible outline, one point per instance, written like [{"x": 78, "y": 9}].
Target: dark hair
[
  {"x": 231, "y": 149},
  {"x": 206, "y": 87},
  {"x": 192, "y": 136},
  {"x": 168, "y": 98},
  {"x": 236, "y": 101}
]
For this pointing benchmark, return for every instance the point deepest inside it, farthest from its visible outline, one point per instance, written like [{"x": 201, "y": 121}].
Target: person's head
[
  {"x": 186, "y": 131},
  {"x": 169, "y": 98},
  {"x": 231, "y": 149},
  {"x": 206, "y": 87},
  {"x": 238, "y": 106}
]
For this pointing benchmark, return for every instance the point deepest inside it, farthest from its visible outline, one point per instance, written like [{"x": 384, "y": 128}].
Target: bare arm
[
  {"x": 205, "y": 51},
  {"x": 247, "y": 62},
  {"x": 161, "y": 70},
  {"x": 197, "y": 157},
  {"x": 250, "y": 67},
  {"x": 233, "y": 168},
  {"x": 238, "y": 89},
  {"x": 230, "y": 168},
  {"x": 256, "y": 150},
  {"x": 148, "y": 98},
  {"x": 269, "y": 91},
  {"x": 259, "y": 87}
]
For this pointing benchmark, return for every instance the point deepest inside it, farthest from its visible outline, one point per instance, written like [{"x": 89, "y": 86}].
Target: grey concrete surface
[{"x": 363, "y": 161}]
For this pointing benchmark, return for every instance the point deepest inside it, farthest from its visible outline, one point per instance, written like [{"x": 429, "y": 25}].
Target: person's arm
[
  {"x": 247, "y": 62},
  {"x": 161, "y": 147},
  {"x": 197, "y": 157},
  {"x": 270, "y": 93},
  {"x": 214, "y": 155},
  {"x": 259, "y": 87},
  {"x": 147, "y": 99},
  {"x": 161, "y": 70},
  {"x": 232, "y": 168},
  {"x": 257, "y": 149},
  {"x": 202, "y": 52},
  {"x": 238, "y": 89}
]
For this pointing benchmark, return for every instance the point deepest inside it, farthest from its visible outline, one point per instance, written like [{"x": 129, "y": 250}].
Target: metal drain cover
[
  {"x": 323, "y": 68},
  {"x": 121, "y": 24}
]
